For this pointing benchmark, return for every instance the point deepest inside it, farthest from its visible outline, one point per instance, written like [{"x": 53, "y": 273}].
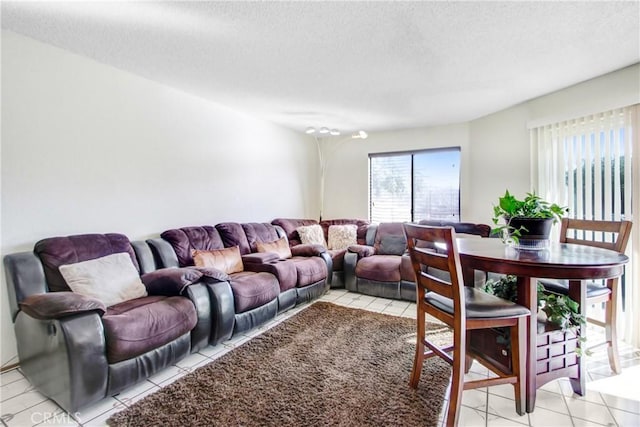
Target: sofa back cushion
[
  {"x": 361, "y": 230},
  {"x": 260, "y": 232},
  {"x": 290, "y": 227},
  {"x": 232, "y": 234},
  {"x": 390, "y": 239},
  {"x": 342, "y": 236},
  {"x": 280, "y": 247},
  {"x": 482, "y": 230},
  {"x": 56, "y": 251},
  {"x": 184, "y": 240},
  {"x": 312, "y": 235},
  {"x": 111, "y": 279},
  {"x": 227, "y": 260}
]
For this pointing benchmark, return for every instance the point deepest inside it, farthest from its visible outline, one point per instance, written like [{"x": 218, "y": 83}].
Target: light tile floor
[{"x": 611, "y": 400}]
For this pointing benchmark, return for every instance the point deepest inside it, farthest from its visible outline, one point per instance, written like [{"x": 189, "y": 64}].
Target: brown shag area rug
[{"x": 327, "y": 365}]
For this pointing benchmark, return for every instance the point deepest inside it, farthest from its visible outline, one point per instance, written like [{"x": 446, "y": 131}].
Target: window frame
[{"x": 413, "y": 153}]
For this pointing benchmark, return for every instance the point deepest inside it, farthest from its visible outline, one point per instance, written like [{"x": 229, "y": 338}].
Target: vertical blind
[
  {"x": 390, "y": 188},
  {"x": 586, "y": 164}
]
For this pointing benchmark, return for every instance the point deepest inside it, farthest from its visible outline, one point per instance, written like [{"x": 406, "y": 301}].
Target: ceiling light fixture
[
  {"x": 360, "y": 135},
  {"x": 325, "y": 131}
]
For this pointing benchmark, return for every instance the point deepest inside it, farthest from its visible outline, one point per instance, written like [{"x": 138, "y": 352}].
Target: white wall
[
  {"x": 495, "y": 148},
  {"x": 501, "y": 141},
  {"x": 89, "y": 148}
]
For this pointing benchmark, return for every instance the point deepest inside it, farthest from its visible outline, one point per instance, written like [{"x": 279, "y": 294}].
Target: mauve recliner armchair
[{"x": 73, "y": 348}]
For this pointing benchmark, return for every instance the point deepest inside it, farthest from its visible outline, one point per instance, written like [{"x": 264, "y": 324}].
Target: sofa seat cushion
[
  {"x": 251, "y": 290},
  {"x": 406, "y": 269},
  {"x": 284, "y": 270},
  {"x": 136, "y": 326},
  {"x": 310, "y": 270},
  {"x": 381, "y": 268},
  {"x": 337, "y": 256}
]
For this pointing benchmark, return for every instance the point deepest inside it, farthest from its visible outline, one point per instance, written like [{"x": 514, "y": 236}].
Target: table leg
[
  {"x": 528, "y": 297},
  {"x": 468, "y": 275},
  {"x": 578, "y": 292}
]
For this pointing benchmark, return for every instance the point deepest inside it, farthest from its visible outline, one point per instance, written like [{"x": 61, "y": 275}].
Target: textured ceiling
[{"x": 347, "y": 65}]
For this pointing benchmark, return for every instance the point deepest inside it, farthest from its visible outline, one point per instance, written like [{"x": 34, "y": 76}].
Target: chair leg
[
  {"x": 457, "y": 379},
  {"x": 418, "y": 360},
  {"x": 611, "y": 332},
  {"x": 518, "y": 362},
  {"x": 468, "y": 361}
]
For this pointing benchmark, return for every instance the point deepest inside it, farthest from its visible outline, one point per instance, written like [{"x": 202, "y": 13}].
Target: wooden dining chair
[
  {"x": 593, "y": 233},
  {"x": 462, "y": 308}
]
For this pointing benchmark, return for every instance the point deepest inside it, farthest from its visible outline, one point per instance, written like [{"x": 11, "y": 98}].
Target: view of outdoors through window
[
  {"x": 597, "y": 183},
  {"x": 417, "y": 185},
  {"x": 586, "y": 164}
]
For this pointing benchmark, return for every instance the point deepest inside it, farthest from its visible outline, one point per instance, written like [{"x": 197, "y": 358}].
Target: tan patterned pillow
[
  {"x": 227, "y": 260},
  {"x": 311, "y": 234},
  {"x": 342, "y": 236},
  {"x": 280, "y": 247}
]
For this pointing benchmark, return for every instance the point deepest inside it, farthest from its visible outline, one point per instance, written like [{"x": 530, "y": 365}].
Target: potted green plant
[
  {"x": 559, "y": 310},
  {"x": 530, "y": 218}
]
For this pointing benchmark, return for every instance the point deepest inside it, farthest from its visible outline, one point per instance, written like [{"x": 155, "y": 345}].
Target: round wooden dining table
[{"x": 576, "y": 263}]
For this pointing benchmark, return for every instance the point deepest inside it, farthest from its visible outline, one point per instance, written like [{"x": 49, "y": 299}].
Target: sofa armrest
[
  {"x": 308, "y": 250},
  {"x": 56, "y": 305},
  {"x": 222, "y": 312},
  {"x": 260, "y": 258},
  {"x": 212, "y": 275},
  {"x": 362, "y": 250},
  {"x": 163, "y": 253},
  {"x": 65, "y": 358},
  {"x": 144, "y": 255},
  {"x": 170, "y": 281},
  {"x": 25, "y": 276},
  {"x": 349, "y": 269},
  {"x": 201, "y": 333}
]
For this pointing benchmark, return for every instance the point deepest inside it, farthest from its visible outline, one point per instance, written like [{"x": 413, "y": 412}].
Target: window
[
  {"x": 411, "y": 186},
  {"x": 586, "y": 164}
]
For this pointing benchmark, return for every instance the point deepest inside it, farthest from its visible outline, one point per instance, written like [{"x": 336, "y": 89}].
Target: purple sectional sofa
[
  {"x": 290, "y": 228},
  {"x": 266, "y": 284},
  {"x": 78, "y": 348},
  {"x": 382, "y": 267}
]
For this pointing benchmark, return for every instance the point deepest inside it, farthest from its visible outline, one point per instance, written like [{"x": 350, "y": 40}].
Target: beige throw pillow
[
  {"x": 311, "y": 234},
  {"x": 280, "y": 247},
  {"x": 227, "y": 260},
  {"x": 343, "y": 236},
  {"x": 112, "y": 279}
]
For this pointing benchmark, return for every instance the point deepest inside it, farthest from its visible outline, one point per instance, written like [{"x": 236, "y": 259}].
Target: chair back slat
[
  {"x": 432, "y": 258},
  {"x": 586, "y": 233},
  {"x": 437, "y": 285},
  {"x": 445, "y": 258}
]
